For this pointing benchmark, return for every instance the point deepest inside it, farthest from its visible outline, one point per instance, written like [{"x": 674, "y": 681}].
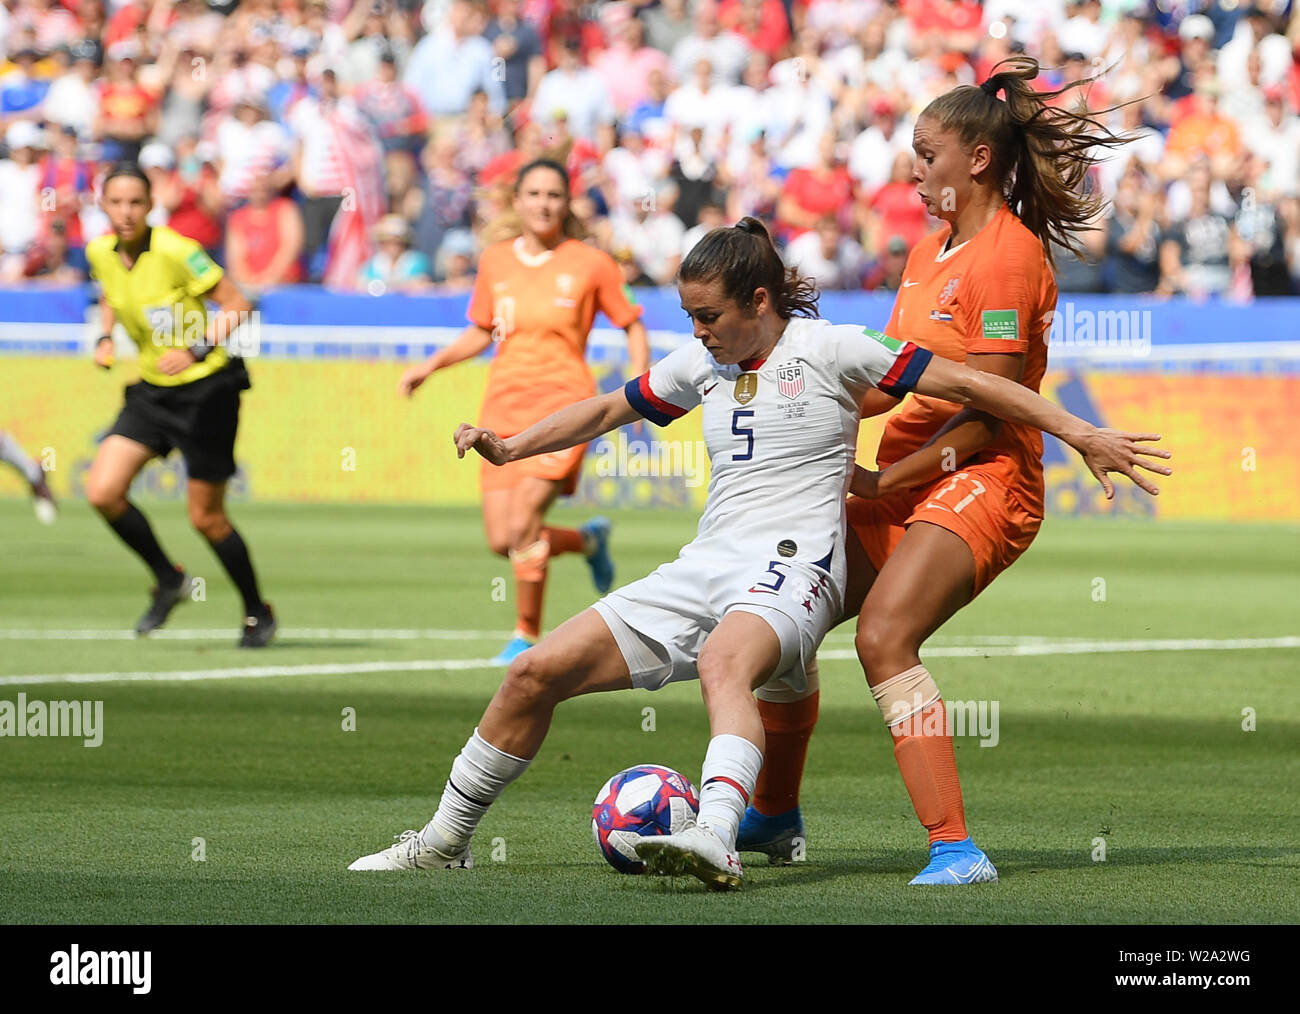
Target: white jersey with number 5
[{"x": 781, "y": 435}]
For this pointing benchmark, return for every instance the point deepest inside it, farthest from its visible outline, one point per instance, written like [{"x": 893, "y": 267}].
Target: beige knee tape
[
  {"x": 777, "y": 691},
  {"x": 907, "y": 694},
  {"x": 529, "y": 563}
]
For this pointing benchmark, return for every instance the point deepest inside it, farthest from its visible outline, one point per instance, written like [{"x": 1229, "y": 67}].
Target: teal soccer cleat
[
  {"x": 956, "y": 862},
  {"x": 595, "y": 534},
  {"x": 515, "y": 647}
]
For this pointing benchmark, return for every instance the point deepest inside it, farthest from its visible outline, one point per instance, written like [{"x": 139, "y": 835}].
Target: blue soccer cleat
[
  {"x": 595, "y": 533},
  {"x": 515, "y": 647},
  {"x": 956, "y": 862},
  {"x": 778, "y": 837}
]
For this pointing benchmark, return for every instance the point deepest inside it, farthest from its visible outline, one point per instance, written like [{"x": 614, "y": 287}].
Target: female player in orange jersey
[
  {"x": 536, "y": 295},
  {"x": 958, "y": 495}
]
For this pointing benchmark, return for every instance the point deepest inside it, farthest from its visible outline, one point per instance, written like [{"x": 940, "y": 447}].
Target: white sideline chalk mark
[
  {"x": 1030, "y": 648},
  {"x": 1090, "y": 647},
  {"x": 252, "y": 672},
  {"x": 222, "y": 634},
  {"x": 408, "y": 634}
]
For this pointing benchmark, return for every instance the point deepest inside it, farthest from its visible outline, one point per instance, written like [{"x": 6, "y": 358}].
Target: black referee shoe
[
  {"x": 164, "y": 601},
  {"x": 258, "y": 630}
]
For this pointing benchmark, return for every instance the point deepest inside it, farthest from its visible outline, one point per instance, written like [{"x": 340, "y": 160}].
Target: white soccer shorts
[{"x": 662, "y": 621}]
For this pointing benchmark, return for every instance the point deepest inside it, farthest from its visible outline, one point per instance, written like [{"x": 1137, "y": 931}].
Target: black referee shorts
[{"x": 199, "y": 418}]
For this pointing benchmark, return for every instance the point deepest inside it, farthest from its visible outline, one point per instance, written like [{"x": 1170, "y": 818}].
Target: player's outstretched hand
[
  {"x": 1106, "y": 450},
  {"x": 412, "y": 377},
  {"x": 487, "y": 443}
]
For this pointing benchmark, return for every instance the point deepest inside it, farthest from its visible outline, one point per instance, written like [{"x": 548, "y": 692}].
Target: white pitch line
[
  {"x": 305, "y": 633},
  {"x": 431, "y": 665},
  {"x": 408, "y": 634},
  {"x": 252, "y": 672},
  {"x": 1089, "y": 647}
]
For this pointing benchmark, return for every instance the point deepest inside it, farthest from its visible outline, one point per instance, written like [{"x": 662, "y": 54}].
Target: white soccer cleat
[
  {"x": 410, "y": 853},
  {"x": 43, "y": 502},
  {"x": 697, "y": 851}
]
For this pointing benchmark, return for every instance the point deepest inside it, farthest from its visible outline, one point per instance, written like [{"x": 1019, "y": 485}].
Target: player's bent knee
[
  {"x": 211, "y": 525},
  {"x": 880, "y": 649},
  {"x": 532, "y": 681},
  {"x": 109, "y": 500},
  {"x": 720, "y": 674}
]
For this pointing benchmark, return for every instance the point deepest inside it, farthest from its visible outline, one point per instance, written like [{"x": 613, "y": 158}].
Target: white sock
[
  {"x": 730, "y": 773},
  {"x": 12, "y": 452},
  {"x": 479, "y": 774}
]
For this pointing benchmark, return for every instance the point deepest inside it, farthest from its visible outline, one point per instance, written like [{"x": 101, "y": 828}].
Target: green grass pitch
[{"x": 1143, "y": 749}]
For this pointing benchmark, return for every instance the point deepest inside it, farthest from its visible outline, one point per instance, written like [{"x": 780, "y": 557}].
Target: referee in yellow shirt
[{"x": 154, "y": 282}]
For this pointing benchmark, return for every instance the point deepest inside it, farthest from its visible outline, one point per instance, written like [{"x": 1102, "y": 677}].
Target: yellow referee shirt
[{"x": 160, "y": 300}]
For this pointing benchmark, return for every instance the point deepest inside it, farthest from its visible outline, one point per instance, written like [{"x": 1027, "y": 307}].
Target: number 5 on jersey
[{"x": 743, "y": 431}]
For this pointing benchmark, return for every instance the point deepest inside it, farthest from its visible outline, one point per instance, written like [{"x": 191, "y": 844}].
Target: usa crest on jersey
[{"x": 789, "y": 380}]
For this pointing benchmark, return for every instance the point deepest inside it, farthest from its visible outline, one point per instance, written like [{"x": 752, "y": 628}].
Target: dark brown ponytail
[
  {"x": 1041, "y": 153},
  {"x": 745, "y": 260}
]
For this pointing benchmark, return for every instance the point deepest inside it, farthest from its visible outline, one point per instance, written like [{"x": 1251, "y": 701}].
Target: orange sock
[
  {"x": 528, "y": 608},
  {"x": 563, "y": 540},
  {"x": 788, "y": 727},
  {"x": 530, "y": 585},
  {"x": 923, "y": 750}
]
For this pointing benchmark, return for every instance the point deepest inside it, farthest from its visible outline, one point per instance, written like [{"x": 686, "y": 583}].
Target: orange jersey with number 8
[{"x": 540, "y": 311}]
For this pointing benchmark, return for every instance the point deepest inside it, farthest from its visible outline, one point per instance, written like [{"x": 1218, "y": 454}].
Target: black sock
[
  {"x": 133, "y": 528},
  {"x": 233, "y": 555}
]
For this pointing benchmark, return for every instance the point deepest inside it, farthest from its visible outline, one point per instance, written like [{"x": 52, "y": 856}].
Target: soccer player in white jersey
[
  {"x": 12, "y": 454},
  {"x": 749, "y": 599}
]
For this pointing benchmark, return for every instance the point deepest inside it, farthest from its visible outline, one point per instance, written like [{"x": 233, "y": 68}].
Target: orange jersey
[
  {"x": 540, "y": 313},
  {"x": 995, "y": 293}
]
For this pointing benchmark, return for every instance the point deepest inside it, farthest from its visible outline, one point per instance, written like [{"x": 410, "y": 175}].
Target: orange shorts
[
  {"x": 560, "y": 466},
  {"x": 974, "y": 504}
]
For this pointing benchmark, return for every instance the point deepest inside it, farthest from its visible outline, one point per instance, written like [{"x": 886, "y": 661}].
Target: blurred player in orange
[
  {"x": 958, "y": 495},
  {"x": 536, "y": 296}
]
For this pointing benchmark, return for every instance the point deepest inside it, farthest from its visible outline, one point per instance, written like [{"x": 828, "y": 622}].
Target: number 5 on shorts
[{"x": 759, "y": 586}]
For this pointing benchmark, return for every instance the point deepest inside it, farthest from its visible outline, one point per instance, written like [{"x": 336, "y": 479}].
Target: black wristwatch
[{"x": 200, "y": 351}]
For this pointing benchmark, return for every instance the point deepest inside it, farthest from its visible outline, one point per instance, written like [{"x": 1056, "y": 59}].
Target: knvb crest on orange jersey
[{"x": 949, "y": 289}]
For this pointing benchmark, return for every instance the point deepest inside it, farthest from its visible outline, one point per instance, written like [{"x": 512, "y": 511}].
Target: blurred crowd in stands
[{"x": 372, "y": 145}]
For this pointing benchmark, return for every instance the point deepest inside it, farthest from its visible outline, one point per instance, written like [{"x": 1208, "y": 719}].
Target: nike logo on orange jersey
[{"x": 908, "y": 285}]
